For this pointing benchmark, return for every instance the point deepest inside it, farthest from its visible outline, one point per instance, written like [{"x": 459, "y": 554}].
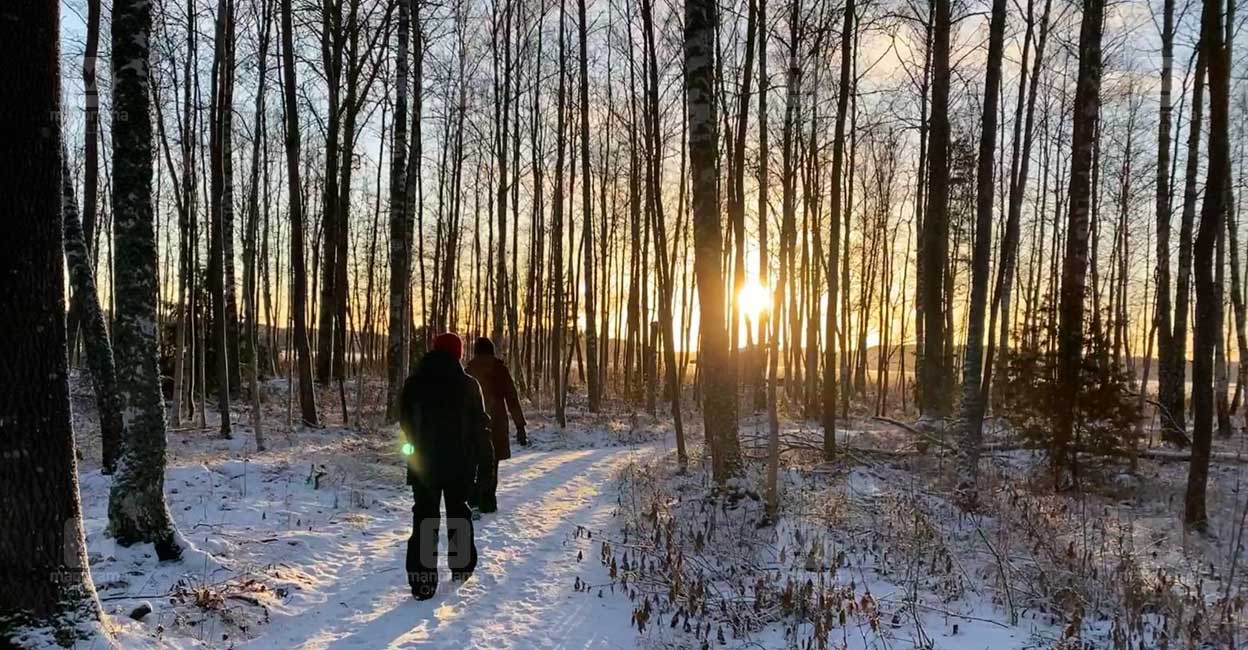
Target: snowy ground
[
  {"x": 302, "y": 546},
  {"x": 601, "y": 543}
]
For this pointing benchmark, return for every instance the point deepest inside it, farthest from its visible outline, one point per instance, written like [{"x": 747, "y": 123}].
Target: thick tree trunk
[
  {"x": 136, "y": 507},
  {"x": 333, "y": 50},
  {"x": 43, "y": 560},
  {"x": 299, "y": 282},
  {"x": 718, "y": 393},
  {"x": 1208, "y": 323},
  {"x": 400, "y": 227},
  {"x": 935, "y": 377},
  {"x": 232, "y": 336},
  {"x": 1075, "y": 262}
]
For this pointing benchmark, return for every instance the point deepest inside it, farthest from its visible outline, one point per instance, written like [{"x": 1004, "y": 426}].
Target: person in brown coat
[{"x": 499, "y": 391}]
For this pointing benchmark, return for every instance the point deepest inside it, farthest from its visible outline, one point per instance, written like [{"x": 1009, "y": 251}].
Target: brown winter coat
[{"x": 499, "y": 392}]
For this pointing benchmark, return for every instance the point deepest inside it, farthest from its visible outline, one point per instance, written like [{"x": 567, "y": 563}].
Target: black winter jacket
[{"x": 443, "y": 416}]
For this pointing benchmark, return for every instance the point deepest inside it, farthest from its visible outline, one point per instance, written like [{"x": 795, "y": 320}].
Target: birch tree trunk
[
  {"x": 400, "y": 227},
  {"x": 718, "y": 395},
  {"x": 136, "y": 506}
]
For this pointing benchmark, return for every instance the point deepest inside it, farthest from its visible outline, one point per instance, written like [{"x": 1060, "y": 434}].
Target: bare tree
[
  {"x": 1208, "y": 322},
  {"x": 299, "y": 283},
  {"x": 251, "y": 294},
  {"x": 1075, "y": 261},
  {"x": 591, "y": 311},
  {"x": 1167, "y": 356},
  {"x": 830, "y": 385},
  {"x": 934, "y": 375},
  {"x": 971, "y": 415},
  {"x": 95, "y": 333}
]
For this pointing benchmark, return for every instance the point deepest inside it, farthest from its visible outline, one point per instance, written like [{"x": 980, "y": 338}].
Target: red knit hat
[{"x": 450, "y": 343}]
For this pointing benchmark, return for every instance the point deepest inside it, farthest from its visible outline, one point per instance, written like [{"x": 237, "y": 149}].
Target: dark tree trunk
[
  {"x": 1208, "y": 323},
  {"x": 1020, "y": 165},
  {"x": 1166, "y": 354},
  {"x": 761, "y": 395},
  {"x": 971, "y": 415},
  {"x": 935, "y": 376},
  {"x": 830, "y": 385},
  {"x": 91, "y": 159},
  {"x": 333, "y": 50},
  {"x": 556, "y": 251},
  {"x": 587, "y": 231},
  {"x": 95, "y": 334},
  {"x": 1075, "y": 262},
  {"x": 221, "y": 203},
  {"x": 251, "y": 294},
  {"x": 299, "y": 283},
  {"x": 1173, "y": 398},
  {"x": 43, "y": 560}
]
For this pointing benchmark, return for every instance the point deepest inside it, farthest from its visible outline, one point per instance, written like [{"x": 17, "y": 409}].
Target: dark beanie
[
  {"x": 450, "y": 343},
  {"x": 483, "y": 346}
]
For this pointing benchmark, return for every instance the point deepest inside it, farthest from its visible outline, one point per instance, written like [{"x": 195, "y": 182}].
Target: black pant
[
  {"x": 422, "y": 546},
  {"x": 486, "y": 497}
]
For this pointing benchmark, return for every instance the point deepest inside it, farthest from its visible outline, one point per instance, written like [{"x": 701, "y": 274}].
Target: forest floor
[{"x": 602, "y": 541}]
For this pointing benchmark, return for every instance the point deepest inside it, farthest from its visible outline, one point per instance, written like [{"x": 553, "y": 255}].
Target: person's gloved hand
[{"x": 522, "y": 437}]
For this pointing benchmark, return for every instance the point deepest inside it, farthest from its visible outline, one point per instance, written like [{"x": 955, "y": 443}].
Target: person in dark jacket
[
  {"x": 446, "y": 429},
  {"x": 500, "y": 398}
]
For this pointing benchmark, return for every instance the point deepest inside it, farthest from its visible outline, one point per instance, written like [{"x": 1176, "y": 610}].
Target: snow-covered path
[{"x": 522, "y": 595}]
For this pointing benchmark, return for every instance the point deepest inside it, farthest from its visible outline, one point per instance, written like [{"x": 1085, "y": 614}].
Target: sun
[{"x": 753, "y": 299}]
